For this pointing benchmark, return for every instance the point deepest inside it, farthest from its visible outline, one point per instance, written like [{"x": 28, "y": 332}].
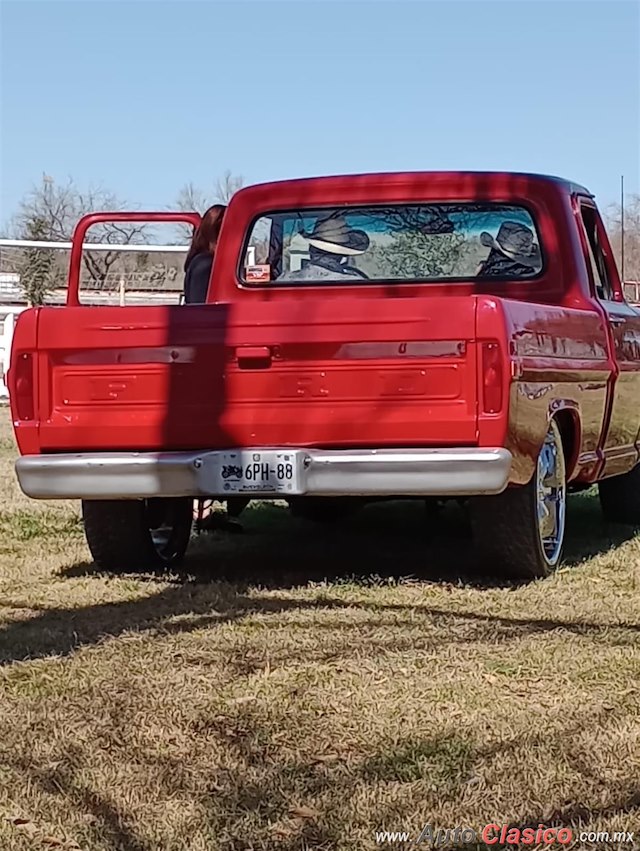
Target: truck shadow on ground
[
  {"x": 384, "y": 541},
  {"x": 222, "y": 581}
]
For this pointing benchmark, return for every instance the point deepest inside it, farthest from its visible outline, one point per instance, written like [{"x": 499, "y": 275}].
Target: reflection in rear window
[{"x": 435, "y": 242}]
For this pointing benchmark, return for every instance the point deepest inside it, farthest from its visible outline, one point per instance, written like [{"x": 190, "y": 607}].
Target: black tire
[
  {"x": 322, "y": 509},
  {"x": 507, "y": 529},
  {"x": 124, "y": 535},
  {"x": 620, "y": 498}
]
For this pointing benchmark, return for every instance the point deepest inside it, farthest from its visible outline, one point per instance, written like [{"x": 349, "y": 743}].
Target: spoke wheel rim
[{"x": 551, "y": 496}]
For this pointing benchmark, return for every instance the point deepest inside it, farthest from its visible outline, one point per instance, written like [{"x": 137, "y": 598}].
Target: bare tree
[
  {"x": 193, "y": 199},
  {"x": 227, "y": 186},
  {"x": 56, "y": 209},
  {"x": 631, "y": 236},
  {"x": 190, "y": 199}
]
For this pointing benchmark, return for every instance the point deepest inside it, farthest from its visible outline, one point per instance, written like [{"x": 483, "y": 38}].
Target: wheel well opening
[{"x": 569, "y": 433}]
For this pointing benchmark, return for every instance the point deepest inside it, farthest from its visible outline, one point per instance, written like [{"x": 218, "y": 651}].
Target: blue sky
[{"x": 143, "y": 97}]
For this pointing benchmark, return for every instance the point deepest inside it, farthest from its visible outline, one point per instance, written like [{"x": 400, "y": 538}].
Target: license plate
[{"x": 267, "y": 471}]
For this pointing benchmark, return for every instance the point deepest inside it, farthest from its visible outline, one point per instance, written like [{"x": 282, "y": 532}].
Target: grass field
[{"x": 298, "y": 688}]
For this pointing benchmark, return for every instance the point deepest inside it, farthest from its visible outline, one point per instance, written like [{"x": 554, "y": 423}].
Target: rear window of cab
[{"x": 399, "y": 243}]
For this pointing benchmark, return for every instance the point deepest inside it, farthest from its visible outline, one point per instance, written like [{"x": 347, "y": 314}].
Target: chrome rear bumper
[{"x": 362, "y": 472}]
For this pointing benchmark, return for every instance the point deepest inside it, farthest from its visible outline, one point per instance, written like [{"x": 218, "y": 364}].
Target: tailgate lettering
[
  {"x": 408, "y": 383},
  {"x": 106, "y": 389},
  {"x": 297, "y": 386}
]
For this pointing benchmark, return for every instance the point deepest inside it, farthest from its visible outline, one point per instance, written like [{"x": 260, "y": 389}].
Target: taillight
[
  {"x": 492, "y": 378},
  {"x": 22, "y": 380}
]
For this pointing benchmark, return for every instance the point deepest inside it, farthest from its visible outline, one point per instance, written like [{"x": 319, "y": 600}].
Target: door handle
[{"x": 253, "y": 357}]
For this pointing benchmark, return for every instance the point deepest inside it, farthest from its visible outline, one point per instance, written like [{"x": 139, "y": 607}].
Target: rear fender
[
  {"x": 527, "y": 436},
  {"x": 522, "y": 423}
]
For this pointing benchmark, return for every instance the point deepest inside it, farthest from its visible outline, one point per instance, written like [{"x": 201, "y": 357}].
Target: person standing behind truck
[{"x": 199, "y": 259}]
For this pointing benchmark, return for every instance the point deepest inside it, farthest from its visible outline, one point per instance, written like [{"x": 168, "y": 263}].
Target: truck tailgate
[{"x": 335, "y": 372}]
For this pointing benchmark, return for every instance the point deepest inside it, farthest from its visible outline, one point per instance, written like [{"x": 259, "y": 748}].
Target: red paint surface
[{"x": 368, "y": 365}]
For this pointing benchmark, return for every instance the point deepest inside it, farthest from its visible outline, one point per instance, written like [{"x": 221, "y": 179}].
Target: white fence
[{"x": 8, "y": 315}]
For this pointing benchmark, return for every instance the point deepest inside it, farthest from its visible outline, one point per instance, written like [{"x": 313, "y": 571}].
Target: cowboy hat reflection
[
  {"x": 514, "y": 241},
  {"x": 334, "y": 236}
]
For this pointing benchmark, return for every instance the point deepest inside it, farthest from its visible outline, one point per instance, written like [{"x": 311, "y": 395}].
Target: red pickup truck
[{"x": 415, "y": 335}]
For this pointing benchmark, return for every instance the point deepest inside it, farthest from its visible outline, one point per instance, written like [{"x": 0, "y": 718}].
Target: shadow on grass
[
  {"x": 188, "y": 607},
  {"x": 384, "y": 541},
  {"x": 115, "y": 829},
  {"x": 223, "y": 576},
  {"x": 588, "y": 534},
  {"x": 245, "y": 801},
  {"x": 455, "y": 760}
]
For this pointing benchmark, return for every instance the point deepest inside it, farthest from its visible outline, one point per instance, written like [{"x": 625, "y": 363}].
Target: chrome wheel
[
  {"x": 551, "y": 495},
  {"x": 520, "y": 532}
]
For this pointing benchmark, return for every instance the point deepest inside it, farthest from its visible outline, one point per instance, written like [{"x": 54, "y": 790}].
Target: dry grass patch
[{"x": 300, "y": 689}]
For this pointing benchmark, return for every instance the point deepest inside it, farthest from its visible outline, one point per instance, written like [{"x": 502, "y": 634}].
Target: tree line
[{"x": 50, "y": 211}]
